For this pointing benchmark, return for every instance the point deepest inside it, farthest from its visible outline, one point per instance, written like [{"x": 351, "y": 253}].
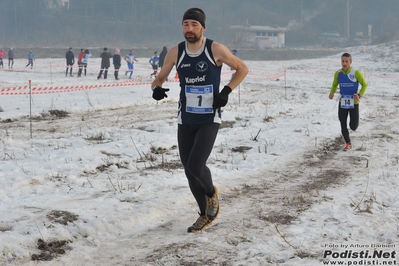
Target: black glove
[
  {"x": 222, "y": 98},
  {"x": 158, "y": 93}
]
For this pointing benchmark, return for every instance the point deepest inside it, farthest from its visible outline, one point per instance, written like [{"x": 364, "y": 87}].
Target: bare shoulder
[
  {"x": 219, "y": 49},
  {"x": 171, "y": 57},
  {"x": 174, "y": 50}
]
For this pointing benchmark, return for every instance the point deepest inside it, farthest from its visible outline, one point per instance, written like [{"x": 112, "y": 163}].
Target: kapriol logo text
[{"x": 195, "y": 80}]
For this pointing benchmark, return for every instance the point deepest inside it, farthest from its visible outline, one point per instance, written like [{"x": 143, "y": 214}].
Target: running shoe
[
  {"x": 200, "y": 224},
  {"x": 347, "y": 147},
  {"x": 212, "y": 205}
]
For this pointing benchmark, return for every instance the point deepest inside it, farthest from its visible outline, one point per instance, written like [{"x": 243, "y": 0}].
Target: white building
[
  {"x": 259, "y": 37},
  {"x": 54, "y": 4}
]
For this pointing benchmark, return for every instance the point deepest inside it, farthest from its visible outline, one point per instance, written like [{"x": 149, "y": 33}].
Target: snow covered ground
[{"x": 94, "y": 177}]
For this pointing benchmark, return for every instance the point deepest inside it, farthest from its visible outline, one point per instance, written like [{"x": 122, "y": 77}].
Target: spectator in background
[
  {"x": 31, "y": 57},
  {"x": 130, "y": 59},
  {"x": 85, "y": 60},
  {"x": 70, "y": 60},
  {"x": 105, "y": 63},
  {"x": 154, "y": 61},
  {"x": 117, "y": 61},
  {"x": 11, "y": 58},
  {"x": 162, "y": 56},
  {"x": 2, "y": 53},
  {"x": 234, "y": 52},
  {"x": 80, "y": 59}
]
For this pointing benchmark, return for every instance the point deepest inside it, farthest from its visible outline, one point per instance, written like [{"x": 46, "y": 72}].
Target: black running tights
[
  {"x": 353, "y": 123},
  {"x": 195, "y": 146}
]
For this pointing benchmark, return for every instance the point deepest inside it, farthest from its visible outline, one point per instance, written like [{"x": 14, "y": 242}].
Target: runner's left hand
[{"x": 222, "y": 98}]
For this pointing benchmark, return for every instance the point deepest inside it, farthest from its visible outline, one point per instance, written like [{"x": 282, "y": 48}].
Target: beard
[{"x": 193, "y": 38}]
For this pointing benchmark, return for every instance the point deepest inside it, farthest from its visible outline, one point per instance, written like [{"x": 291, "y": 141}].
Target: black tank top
[{"x": 199, "y": 83}]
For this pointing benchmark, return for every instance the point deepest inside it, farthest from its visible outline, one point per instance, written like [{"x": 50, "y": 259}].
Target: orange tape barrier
[
  {"x": 22, "y": 90},
  {"x": 141, "y": 67}
]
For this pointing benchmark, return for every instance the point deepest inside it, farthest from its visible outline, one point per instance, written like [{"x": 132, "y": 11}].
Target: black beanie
[{"x": 195, "y": 14}]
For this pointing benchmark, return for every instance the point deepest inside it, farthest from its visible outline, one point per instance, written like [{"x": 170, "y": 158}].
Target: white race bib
[
  {"x": 347, "y": 102},
  {"x": 199, "y": 99}
]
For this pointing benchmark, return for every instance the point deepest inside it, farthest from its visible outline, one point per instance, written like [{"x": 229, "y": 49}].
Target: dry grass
[
  {"x": 62, "y": 217},
  {"x": 50, "y": 250}
]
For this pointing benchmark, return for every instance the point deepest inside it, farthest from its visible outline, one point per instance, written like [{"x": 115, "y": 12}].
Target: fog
[{"x": 127, "y": 23}]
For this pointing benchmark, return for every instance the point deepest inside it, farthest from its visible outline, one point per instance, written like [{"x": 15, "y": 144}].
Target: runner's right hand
[{"x": 158, "y": 93}]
